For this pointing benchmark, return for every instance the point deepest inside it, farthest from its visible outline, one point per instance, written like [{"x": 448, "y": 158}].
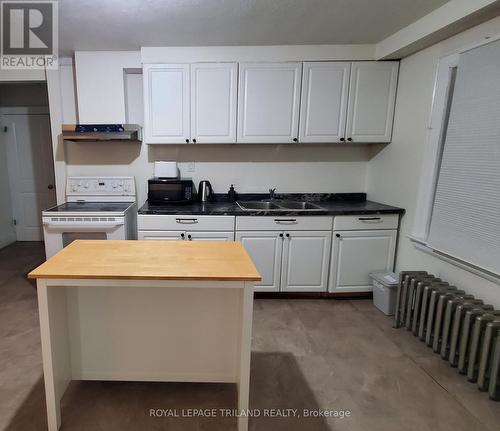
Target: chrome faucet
[{"x": 271, "y": 193}]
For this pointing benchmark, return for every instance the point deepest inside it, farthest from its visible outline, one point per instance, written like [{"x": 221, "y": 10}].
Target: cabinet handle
[
  {"x": 337, "y": 235},
  {"x": 187, "y": 141},
  {"x": 342, "y": 139},
  {"x": 194, "y": 141},
  {"x": 285, "y": 220},
  {"x": 186, "y": 220},
  {"x": 295, "y": 140},
  {"x": 370, "y": 219},
  {"x": 349, "y": 139},
  {"x": 182, "y": 235},
  {"x": 189, "y": 237},
  {"x": 281, "y": 235},
  {"x": 288, "y": 235}
]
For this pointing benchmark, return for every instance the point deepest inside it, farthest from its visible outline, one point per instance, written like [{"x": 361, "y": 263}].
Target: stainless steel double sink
[{"x": 278, "y": 205}]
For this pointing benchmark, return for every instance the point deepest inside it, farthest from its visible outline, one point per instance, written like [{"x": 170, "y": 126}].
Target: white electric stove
[{"x": 95, "y": 208}]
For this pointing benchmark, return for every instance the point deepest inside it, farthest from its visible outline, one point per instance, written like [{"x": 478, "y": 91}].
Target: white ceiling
[{"x": 130, "y": 24}]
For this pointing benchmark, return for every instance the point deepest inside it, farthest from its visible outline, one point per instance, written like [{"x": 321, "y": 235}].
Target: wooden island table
[{"x": 169, "y": 311}]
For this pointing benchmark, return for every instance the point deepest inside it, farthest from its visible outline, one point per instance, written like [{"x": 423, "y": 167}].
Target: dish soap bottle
[{"x": 231, "y": 194}]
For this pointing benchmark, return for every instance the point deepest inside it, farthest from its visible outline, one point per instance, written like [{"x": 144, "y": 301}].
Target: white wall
[
  {"x": 251, "y": 168},
  {"x": 7, "y": 233},
  {"x": 394, "y": 172}
]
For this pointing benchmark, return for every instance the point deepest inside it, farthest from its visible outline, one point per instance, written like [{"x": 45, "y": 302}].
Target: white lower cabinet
[
  {"x": 265, "y": 248},
  {"x": 294, "y": 254},
  {"x": 306, "y": 256},
  {"x": 160, "y": 234},
  {"x": 209, "y": 236},
  {"x": 185, "y": 235},
  {"x": 289, "y": 261},
  {"x": 355, "y": 254},
  {"x": 185, "y": 227}
]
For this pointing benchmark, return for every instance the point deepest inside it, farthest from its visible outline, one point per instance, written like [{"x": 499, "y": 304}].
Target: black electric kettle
[{"x": 205, "y": 192}]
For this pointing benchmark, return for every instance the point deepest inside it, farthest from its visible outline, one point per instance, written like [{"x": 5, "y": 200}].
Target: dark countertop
[{"x": 332, "y": 203}]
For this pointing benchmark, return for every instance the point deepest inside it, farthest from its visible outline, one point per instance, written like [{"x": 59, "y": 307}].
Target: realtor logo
[{"x": 29, "y": 35}]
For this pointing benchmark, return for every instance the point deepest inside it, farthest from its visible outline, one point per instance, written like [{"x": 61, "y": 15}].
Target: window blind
[{"x": 465, "y": 220}]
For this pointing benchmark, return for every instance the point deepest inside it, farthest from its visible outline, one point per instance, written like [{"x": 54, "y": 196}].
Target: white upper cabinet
[
  {"x": 261, "y": 102},
  {"x": 325, "y": 89},
  {"x": 213, "y": 102},
  {"x": 372, "y": 96},
  {"x": 166, "y": 103},
  {"x": 268, "y": 102}
]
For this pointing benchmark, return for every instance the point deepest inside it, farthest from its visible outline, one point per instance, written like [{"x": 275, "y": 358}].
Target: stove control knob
[
  {"x": 113, "y": 184},
  {"x": 74, "y": 187},
  {"x": 80, "y": 183},
  {"x": 86, "y": 185}
]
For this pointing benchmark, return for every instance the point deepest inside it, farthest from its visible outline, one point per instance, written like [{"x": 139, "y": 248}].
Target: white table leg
[
  {"x": 52, "y": 310},
  {"x": 245, "y": 352}
]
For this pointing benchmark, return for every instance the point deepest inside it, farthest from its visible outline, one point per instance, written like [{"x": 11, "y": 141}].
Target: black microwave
[{"x": 170, "y": 190}]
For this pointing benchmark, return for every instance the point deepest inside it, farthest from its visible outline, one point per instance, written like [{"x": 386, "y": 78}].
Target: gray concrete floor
[{"x": 306, "y": 354}]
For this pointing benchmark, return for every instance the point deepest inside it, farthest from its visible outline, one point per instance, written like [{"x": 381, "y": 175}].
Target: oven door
[{"x": 58, "y": 234}]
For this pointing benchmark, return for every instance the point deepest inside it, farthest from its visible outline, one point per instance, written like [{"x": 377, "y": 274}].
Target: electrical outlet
[{"x": 190, "y": 167}]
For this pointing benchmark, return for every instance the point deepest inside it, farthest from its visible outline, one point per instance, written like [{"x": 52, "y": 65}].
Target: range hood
[{"x": 102, "y": 132}]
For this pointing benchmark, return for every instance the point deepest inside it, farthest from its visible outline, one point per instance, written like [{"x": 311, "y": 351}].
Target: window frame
[{"x": 436, "y": 134}]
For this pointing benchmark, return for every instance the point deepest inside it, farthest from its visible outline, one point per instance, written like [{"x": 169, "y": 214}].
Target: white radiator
[{"x": 461, "y": 328}]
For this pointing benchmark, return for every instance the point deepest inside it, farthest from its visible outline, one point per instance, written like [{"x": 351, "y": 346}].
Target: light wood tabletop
[{"x": 150, "y": 260}]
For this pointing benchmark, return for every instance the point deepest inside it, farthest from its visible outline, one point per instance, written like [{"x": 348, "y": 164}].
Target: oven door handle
[{"x": 82, "y": 227}]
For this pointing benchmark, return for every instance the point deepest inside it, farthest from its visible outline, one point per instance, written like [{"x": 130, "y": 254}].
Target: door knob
[{"x": 50, "y": 186}]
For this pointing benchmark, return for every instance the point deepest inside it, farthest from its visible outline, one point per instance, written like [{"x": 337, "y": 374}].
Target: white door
[
  {"x": 265, "y": 250},
  {"x": 323, "y": 105},
  {"x": 372, "y": 97},
  {"x": 356, "y": 254},
  {"x": 161, "y": 234},
  {"x": 306, "y": 257},
  {"x": 31, "y": 171},
  {"x": 166, "y": 103},
  {"x": 213, "y": 102},
  {"x": 210, "y": 236},
  {"x": 268, "y": 102}
]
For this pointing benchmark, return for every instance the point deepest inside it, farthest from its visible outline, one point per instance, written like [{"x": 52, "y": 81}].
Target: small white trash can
[{"x": 384, "y": 291}]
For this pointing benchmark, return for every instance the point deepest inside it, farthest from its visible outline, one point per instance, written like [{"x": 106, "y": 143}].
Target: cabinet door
[
  {"x": 210, "y": 236},
  {"x": 372, "y": 96},
  {"x": 323, "y": 105},
  {"x": 161, "y": 234},
  {"x": 166, "y": 103},
  {"x": 213, "y": 102},
  {"x": 268, "y": 102},
  {"x": 306, "y": 257},
  {"x": 265, "y": 249},
  {"x": 356, "y": 254}
]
